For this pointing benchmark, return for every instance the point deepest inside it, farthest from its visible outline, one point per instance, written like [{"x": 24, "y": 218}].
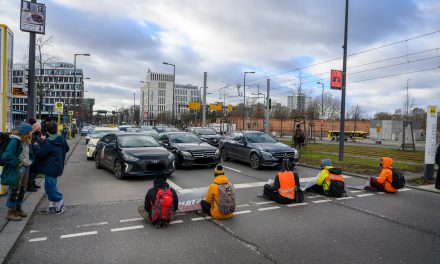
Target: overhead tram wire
[{"x": 350, "y": 55}]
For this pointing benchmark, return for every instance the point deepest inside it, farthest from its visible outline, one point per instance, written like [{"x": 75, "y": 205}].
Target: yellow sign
[
  {"x": 378, "y": 129},
  {"x": 230, "y": 108},
  {"x": 215, "y": 107},
  {"x": 194, "y": 105},
  {"x": 432, "y": 109},
  {"x": 59, "y": 106},
  {"x": 70, "y": 113}
]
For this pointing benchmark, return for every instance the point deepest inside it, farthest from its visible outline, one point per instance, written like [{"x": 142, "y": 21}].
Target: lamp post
[
  {"x": 174, "y": 84},
  {"x": 74, "y": 86},
  {"x": 148, "y": 102},
  {"x": 244, "y": 95},
  {"x": 322, "y": 106}
]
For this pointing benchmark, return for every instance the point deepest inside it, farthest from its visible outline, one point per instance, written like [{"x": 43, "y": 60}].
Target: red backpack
[{"x": 163, "y": 208}]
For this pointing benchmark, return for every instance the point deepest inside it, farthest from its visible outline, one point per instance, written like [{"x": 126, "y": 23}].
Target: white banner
[{"x": 431, "y": 134}]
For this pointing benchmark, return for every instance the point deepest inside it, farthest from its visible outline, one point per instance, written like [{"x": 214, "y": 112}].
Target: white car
[{"x": 97, "y": 134}]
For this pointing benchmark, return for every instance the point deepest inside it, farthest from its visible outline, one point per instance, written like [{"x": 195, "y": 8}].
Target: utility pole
[
  {"x": 205, "y": 77},
  {"x": 134, "y": 106},
  {"x": 322, "y": 106},
  {"x": 143, "y": 109},
  {"x": 344, "y": 81},
  {"x": 244, "y": 97},
  {"x": 267, "y": 106},
  {"x": 32, "y": 92}
]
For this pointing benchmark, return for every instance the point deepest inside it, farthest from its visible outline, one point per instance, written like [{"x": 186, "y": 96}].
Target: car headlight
[
  {"x": 217, "y": 152},
  {"x": 129, "y": 157},
  {"x": 266, "y": 154},
  {"x": 171, "y": 156},
  {"x": 185, "y": 154}
]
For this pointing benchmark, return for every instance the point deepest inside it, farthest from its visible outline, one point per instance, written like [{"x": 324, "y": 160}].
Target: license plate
[{"x": 154, "y": 161}]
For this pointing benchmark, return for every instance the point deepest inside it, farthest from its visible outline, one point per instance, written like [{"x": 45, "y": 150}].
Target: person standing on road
[
  {"x": 52, "y": 154},
  {"x": 160, "y": 183},
  {"x": 285, "y": 188},
  {"x": 17, "y": 159},
  {"x": 220, "y": 201},
  {"x": 383, "y": 182},
  {"x": 437, "y": 160},
  {"x": 298, "y": 137}
]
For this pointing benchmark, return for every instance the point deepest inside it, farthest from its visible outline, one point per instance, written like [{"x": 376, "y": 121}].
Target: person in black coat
[
  {"x": 437, "y": 161},
  {"x": 160, "y": 182}
]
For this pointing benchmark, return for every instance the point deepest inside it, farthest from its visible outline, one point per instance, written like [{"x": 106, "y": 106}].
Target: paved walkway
[{"x": 9, "y": 230}]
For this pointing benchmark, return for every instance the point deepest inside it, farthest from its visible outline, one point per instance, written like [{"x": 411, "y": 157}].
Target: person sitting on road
[
  {"x": 330, "y": 181},
  {"x": 161, "y": 202},
  {"x": 220, "y": 199},
  {"x": 285, "y": 187},
  {"x": 383, "y": 182}
]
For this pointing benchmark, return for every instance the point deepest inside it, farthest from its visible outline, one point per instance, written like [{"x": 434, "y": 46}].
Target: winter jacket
[
  {"x": 321, "y": 178},
  {"x": 10, "y": 157},
  {"x": 386, "y": 175},
  {"x": 150, "y": 198},
  {"x": 213, "y": 197},
  {"x": 51, "y": 154}
]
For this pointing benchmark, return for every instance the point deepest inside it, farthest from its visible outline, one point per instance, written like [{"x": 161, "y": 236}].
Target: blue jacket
[
  {"x": 11, "y": 160},
  {"x": 51, "y": 155}
]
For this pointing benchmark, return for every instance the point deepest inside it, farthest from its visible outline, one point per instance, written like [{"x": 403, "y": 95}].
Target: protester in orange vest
[
  {"x": 383, "y": 182},
  {"x": 285, "y": 186}
]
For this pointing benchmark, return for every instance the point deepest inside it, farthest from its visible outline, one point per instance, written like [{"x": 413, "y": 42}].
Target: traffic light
[
  {"x": 113, "y": 112},
  {"x": 270, "y": 103}
]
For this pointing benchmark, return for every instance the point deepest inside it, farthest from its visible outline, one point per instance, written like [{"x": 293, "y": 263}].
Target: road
[{"x": 101, "y": 224}]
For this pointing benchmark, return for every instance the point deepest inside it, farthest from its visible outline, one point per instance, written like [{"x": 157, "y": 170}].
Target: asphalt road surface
[{"x": 101, "y": 224}]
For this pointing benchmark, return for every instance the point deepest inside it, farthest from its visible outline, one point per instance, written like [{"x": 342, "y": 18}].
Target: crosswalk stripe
[
  {"x": 38, "y": 239},
  {"x": 344, "y": 198},
  {"x": 357, "y": 191},
  {"x": 404, "y": 190},
  {"x": 295, "y": 204},
  {"x": 364, "y": 195},
  {"x": 267, "y": 202},
  {"x": 79, "y": 234},
  {"x": 176, "y": 222},
  {"x": 269, "y": 208},
  {"x": 131, "y": 220},
  {"x": 126, "y": 228},
  {"x": 242, "y": 212},
  {"x": 322, "y": 201}
]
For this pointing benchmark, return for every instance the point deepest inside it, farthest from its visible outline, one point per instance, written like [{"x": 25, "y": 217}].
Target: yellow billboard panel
[
  {"x": 215, "y": 107},
  {"x": 194, "y": 105},
  {"x": 230, "y": 108}
]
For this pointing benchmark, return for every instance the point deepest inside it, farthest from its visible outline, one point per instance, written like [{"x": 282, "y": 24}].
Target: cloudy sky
[{"x": 277, "y": 39}]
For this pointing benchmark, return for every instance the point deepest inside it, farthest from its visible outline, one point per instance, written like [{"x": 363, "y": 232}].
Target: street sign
[
  {"x": 145, "y": 114},
  {"x": 59, "y": 107},
  {"x": 70, "y": 113},
  {"x": 430, "y": 141},
  {"x": 194, "y": 105},
  {"x": 76, "y": 114},
  {"x": 230, "y": 108},
  {"x": 215, "y": 107},
  {"x": 33, "y": 17},
  {"x": 336, "y": 80}
]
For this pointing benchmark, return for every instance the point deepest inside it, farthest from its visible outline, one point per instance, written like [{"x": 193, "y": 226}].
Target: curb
[
  {"x": 13, "y": 230},
  {"x": 367, "y": 177}
]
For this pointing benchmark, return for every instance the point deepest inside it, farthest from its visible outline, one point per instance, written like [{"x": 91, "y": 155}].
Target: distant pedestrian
[
  {"x": 17, "y": 158},
  {"x": 437, "y": 161},
  {"x": 51, "y": 154},
  {"x": 64, "y": 131},
  {"x": 298, "y": 137}
]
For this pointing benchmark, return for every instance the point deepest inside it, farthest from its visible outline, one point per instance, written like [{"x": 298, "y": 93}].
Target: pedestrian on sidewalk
[
  {"x": 36, "y": 139},
  {"x": 17, "y": 159},
  {"x": 437, "y": 160},
  {"x": 51, "y": 154}
]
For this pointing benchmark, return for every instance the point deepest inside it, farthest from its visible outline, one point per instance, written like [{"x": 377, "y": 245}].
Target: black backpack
[
  {"x": 4, "y": 141},
  {"x": 337, "y": 187},
  {"x": 398, "y": 179}
]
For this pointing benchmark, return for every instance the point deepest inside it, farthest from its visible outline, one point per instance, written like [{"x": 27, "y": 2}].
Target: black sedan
[
  {"x": 206, "y": 134},
  {"x": 130, "y": 154},
  {"x": 257, "y": 148},
  {"x": 189, "y": 150}
]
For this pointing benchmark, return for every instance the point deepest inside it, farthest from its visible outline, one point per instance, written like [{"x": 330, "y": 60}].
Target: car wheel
[
  {"x": 89, "y": 158},
  {"x": 177, "y": 164},
  {"x": 117, "y": 170},
  {"x": 224, "y": 155},
  {"x": 255, "y": 161},
  {"x": 97, "y": 162}
]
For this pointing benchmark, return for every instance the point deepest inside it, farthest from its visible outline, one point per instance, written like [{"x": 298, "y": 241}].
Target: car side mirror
[{"x": 242, "y": 142}]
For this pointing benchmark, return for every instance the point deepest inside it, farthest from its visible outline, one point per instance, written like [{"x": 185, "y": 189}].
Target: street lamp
[
  {"x": 322, "y": 106},
  {"x": 174, "y": 84},
  {"x": 244, "y": 95},
  {"x": 148, "y": 103},
  {"x": 74, "y": 85}
]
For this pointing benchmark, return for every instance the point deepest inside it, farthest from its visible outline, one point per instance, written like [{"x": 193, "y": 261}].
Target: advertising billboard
[
  {"x": 33, "y": 17},
  {"x": 6, "y": 62}
]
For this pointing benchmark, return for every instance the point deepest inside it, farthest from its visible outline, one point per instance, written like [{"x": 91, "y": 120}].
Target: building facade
[
  {"x": 292, "y": 102},
  {"x": 53, "y": 83},
  {"x": 157, "y": 96}
]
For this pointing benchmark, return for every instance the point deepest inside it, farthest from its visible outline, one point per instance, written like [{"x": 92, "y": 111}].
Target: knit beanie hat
[
  {"x": 24, "y": 129},
  {"x": 326, "y": 162},
  {"x": 219, "y": 170}
]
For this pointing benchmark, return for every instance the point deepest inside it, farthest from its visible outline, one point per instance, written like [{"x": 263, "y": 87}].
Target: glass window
[
  {"x": 259, "y": 138},
  {"x": 184, "y": 138},
  {"x": 137, "y": 141}
]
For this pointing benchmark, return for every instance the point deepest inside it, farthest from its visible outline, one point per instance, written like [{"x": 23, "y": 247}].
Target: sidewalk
[{"x": 10, "y": 231}]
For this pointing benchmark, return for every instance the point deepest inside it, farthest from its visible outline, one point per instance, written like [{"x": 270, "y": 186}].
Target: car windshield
[
  {"x": 259, "y": 138},
  {"x": 137, "y": 141},
  {"x": 184, "y": 138},
  {"x": 170, "y": 129},
  {"x": 101, "y": 133},
  {"x": 205, "y": 131}
]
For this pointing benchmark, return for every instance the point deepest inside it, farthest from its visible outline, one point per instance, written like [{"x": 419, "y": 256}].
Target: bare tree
[
  {"x": 282, "y": 113},
  {"x": 332, "y": 106},
  {"x": 313, "y": 110},
  {"x": 356, "y": 112},
  {"x": 383, "y": 116}
]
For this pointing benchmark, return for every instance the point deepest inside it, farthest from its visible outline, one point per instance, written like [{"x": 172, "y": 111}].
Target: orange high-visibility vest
[
  {"x": 334, "y": 177},
  {"x": 287, "y": 184}
]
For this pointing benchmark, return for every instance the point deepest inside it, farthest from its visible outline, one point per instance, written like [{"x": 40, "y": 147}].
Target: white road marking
[
  {"x": 242, "y": 212},
  {"x": 267, "y": 202},
  {"x": 176, "y": 222},
  {"x": 93, "y": 224},
  {"x": 126, "y": 228},
  {"x": 364, "y": 195},
  {"x": 295, "y": 204},
  {"x": 315, "y": 196},
  {"x": 131, "y": 220},
  {"x": 242, "y": 205},
  {"x": 344, "y": 198},
  {"x": 268, "y": 208},
  {"x": 79, "y": 234},
  {"x": 34, "y": 231},
  {"x": 249, "y": 185},
  {"x": 173, "y": 185},
  {"x": 380, "y": 192},
  {"x": 38, "y": 239},
  {"x": 322, "y": 201},
  {"x": 198, "y": 218},
  {"x": 232, "y": 169},
  {"x": 357, "y": 191},
  {"x": 404, "y": 190}
]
